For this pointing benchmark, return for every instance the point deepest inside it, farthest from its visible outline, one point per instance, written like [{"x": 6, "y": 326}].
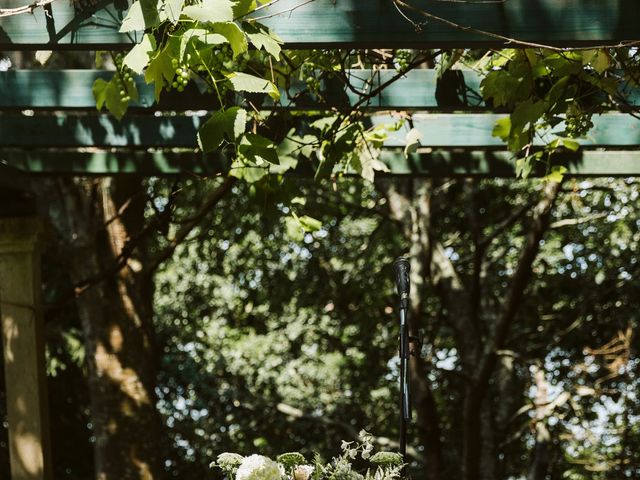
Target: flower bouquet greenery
[{"x": 293, "y": 465}]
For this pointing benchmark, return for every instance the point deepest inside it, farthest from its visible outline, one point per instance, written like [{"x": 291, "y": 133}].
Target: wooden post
[{"x": 24, "y": 359}]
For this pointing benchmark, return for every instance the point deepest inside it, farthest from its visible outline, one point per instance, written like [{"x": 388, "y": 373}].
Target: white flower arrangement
[
  {"x": 293, "y": 465},
  {"x": 258, "y": 467}
]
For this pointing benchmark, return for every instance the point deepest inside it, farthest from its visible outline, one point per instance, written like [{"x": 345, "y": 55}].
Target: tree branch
[
  {"x": 210, "y": 202},
  {"x": 8, "y": 12},
  {"x": 519, "y": 281},
  {"x": 569, "y": 222}
]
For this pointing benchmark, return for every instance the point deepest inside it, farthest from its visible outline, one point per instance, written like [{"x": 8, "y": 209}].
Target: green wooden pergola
[{"x": 49, "y": 125}]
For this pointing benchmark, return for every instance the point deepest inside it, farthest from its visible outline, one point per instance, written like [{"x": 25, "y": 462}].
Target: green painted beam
[
  {"x": 438, "y": 163},
  {"x": 417, "y": 90},
  {"x": 463, "y": 130},
  {"x": 357, "y": 23},
  {"x": 102, "y": 162},
  {"x": 93, "y": 26}
]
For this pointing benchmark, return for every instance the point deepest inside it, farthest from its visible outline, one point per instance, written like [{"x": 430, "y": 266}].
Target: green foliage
[
  {"x": 291, "y": 459},
  {"x": 116, "y": 93},
  {"x": 230, "y": 123},
  {"x": 550, "y": 96},
  {"x": 342, "y": 467},
  {"x": 278, "y": 356},
  {"x": 272, "y": 338},
  {"x": 274, "y": 343},
  {"x": 206, "y": 43}
]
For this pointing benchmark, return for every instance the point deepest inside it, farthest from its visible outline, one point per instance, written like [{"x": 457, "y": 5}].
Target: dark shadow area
[
  {"x": 4, "y": 432},
  {"x": 71, "y": 442},
  {"x": 379, "y": 24}
]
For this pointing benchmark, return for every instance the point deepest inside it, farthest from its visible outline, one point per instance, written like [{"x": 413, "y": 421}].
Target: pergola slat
[
  {"x": 457, "y": 130},
  {"x": 416, "y": 90},
  {"x": 353, "y": 23},
  {"x": 71, "y": 89},
  {"x": 437, "y": 163}
]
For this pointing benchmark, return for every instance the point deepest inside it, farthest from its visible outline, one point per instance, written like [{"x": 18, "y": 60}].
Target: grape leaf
[
  {"x": 142, "y": 14},
  {"x": 159, "y": 70},
  {"x": 258, "y": 149},
  {"x": 201, "y": 35},
  {"x": 413, "y": 141},
  {"x": 524, "y": 166},
  {"x": 597, "y": 58},
  {"x": 502, "y": 128},
  {"x": 243, "y": 7},
  {"x": 138, "y": 57},
  {"x": 230, "y": 122},
  {"x": 108, "y": 94},
  {"x": 262, "y": 37},
  {"x": 234, "y": 34},
  {"x": 248, "y": 173},
  {"x": 173, "y": 9},
  {"x": 243, "y": 82},
  {"x": 556, "y": 174},
  {"x": 210, "y": 11}
]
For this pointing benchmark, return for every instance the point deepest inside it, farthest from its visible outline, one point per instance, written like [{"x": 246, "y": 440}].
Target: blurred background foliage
[{"x": 273, "y": 339}]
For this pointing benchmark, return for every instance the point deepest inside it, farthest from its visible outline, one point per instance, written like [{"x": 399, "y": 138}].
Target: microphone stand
[
  {"x": 401, "y": 267},
  {"x": 405, "y": 404}
]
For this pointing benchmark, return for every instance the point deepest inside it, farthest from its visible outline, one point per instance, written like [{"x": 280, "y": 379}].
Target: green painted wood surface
[
  {"x": 358, "y": 23},
  {"x": 66, "y": 26},
  {"x": 468, "y": 130},
  {"x": 71, "y": 89},
  {"x": 439, "y": 163},
  {"x": 417, "y": 90}
]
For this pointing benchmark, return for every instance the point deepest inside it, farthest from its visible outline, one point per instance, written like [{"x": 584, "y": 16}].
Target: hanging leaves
[
  {"x": 212, "y": 11},
  {"x": 230, "y": 123}
]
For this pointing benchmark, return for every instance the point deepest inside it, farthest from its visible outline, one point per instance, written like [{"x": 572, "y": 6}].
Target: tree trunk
[
  {"x": 540, "y": 463},
  {"x": 409, "y": 204},
  {"x": 114, "y": 301}
]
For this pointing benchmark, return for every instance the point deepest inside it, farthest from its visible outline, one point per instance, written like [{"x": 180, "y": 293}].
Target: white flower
[
  {"x": 228, "y": 460},
  {"x": 258, "y": 467},
  {"x": 366, "y": 451},
  {"x": 302, "y": 472}
]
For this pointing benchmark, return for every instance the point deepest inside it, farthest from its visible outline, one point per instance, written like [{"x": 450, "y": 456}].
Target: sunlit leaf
[
  {"x": 243, "y": 82},
  {"x": 212, "y": 11},
  {"x": 138, "y": 57},
  {"x": 236, "y": 37}
]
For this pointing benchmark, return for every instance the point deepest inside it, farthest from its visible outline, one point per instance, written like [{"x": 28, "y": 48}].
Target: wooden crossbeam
[
  {"x": 458, "y": 130},
  {"x": 416, "y": 90},
  {"x": 353, "y": 23},
  {"x": 434, "y": 163}
]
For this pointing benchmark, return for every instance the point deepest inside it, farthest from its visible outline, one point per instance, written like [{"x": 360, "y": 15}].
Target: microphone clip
[{"x": 416, "y": 343}]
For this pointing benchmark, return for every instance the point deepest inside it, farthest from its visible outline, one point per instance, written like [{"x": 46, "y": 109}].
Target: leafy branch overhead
[
  {"x": 213, "y": 46},
  {"x": 216, "y": 47}
]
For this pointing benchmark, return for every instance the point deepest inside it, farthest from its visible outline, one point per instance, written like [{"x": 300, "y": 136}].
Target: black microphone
[{"x": 401, "y": 267}]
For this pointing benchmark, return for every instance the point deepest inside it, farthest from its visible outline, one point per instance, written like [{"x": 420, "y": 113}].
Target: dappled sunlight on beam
[
  {"x": 10, "y": 332},
  {"x": 28, "y": 450}
]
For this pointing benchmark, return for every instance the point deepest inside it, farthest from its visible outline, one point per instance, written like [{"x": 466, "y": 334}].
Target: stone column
[{"x": 23, "y": 344}]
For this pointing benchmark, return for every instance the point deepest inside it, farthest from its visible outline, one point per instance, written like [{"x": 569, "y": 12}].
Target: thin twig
[
  {"x": 8, "y": 12},
  {"x": 497, "y": 36},
  {"x": 286, "y": 10}
]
